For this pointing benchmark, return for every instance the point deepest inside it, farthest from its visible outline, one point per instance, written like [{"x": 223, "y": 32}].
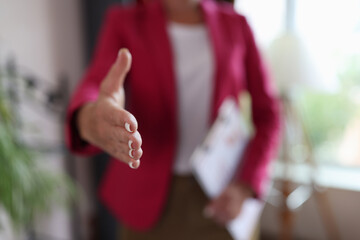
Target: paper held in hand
[{"x": 215, "y": 161}]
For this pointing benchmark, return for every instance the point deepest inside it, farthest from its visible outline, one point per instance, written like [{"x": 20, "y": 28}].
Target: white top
[{"x": 194, "y": 72}]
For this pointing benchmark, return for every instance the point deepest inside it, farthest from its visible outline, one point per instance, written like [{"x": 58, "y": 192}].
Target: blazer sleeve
[
  {"x": 108, "y": 45},
  {"x": 265, "y": 116}
]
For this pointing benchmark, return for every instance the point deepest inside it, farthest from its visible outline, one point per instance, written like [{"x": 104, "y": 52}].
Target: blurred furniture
[
  {"x": 293, "y": 70},
  {"x": 292, "y": 199}
]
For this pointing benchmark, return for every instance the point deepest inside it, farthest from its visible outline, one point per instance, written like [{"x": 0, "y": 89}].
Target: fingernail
[
  {"x": 130, "y": 153},
  {"x": 130, "y": 144},
  {"x": 208, "y": 212},
  {"x": 134, "y": 164},
  {"x": 127, "y": 127},
  {"x": 122, "y": 50}
]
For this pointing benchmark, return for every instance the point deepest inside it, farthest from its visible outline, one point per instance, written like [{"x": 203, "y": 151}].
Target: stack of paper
[{"x": 216, "y": 160}]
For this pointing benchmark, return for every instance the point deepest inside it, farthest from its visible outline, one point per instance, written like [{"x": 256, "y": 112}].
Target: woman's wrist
[{"x": 82, "y": 120}]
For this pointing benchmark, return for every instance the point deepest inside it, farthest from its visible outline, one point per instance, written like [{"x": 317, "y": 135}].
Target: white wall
[{"x": 45, "y": 36}]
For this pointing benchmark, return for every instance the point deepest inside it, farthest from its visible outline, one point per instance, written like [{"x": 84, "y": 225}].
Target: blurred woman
[{"x": 155, "y": 99}]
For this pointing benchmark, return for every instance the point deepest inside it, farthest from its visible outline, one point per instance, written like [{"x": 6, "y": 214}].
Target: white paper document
[{"x": 215, "y": 161}]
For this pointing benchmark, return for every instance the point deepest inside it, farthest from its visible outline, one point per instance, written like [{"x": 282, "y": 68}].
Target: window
[{"x": 330, "y": 102}]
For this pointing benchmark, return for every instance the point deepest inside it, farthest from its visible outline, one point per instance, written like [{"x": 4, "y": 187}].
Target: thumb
[{"x": 114, "y": 80}]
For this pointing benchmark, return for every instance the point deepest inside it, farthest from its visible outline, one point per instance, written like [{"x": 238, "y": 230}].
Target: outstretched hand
[{"x": 105, "y": 123}]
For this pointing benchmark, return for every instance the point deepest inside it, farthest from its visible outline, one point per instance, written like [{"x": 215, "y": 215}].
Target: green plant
[{"x": 26, "y": 189}]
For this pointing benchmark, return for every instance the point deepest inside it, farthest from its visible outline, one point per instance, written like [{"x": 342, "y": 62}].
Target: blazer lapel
[{"x": 161, "y": 51}]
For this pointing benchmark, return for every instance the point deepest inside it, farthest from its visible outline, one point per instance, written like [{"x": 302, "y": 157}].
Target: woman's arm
[
  {"x": 96, "y": 118},
  {"x": 265, "y": 117}
]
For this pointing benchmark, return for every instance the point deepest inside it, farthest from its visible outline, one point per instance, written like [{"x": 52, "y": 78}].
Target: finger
[
  {"x": 135, "y": 140},
  {"x": 125, "y": 157},
  {"x": 218, "y": 202},
  {"x": 224, "y": 214},
  {"x": 120, "y": 117},
  {"x": 218, "y": 216},
  {"x": 222, "y": 219},
  {"x": 221, "y": 215},
  {"x": 208, "y": 212},
  {"x": 215, "y": 207},
  {"x": 219, "y": 211},
  {"x": 227, "y": 209},
  {"x": 115, "y": 148},
  {"x": 122, "y": 153},
  {"x": 121, "y": 135},
  {"x": 136, "y": 154},
  {"x": 210, "y": 209},
  {"x": 135, "y": 164},
  {"x": 114, "y": 80}
]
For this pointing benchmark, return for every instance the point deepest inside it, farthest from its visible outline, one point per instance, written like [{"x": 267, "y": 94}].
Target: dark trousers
[{"x": 183, "y": 217}]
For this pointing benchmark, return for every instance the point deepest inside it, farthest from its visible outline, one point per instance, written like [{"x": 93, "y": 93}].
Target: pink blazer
[{"x": 137, "y": 197}]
